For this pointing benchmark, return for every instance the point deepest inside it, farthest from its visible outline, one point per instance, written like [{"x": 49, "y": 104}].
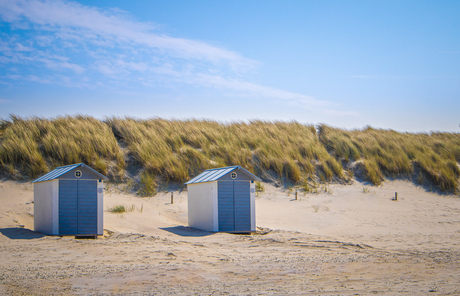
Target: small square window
[
  {"x": 234, "y": 175},
  {"x": 78, "y": 174}
]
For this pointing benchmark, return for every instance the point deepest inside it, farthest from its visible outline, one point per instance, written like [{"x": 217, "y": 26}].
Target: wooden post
[
  {"x": 296, "y": 194},
  {"x": 396, "y": 195},
  {"x": 172, "y": 197}
]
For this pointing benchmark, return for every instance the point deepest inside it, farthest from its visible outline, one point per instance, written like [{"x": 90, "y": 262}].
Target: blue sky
[{"x": 388, "y": 64}]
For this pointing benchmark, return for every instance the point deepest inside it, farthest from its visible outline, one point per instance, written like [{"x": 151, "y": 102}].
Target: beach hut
[
  {"x": 222, "y": 199},
  {"x": 68, "y": 201}
]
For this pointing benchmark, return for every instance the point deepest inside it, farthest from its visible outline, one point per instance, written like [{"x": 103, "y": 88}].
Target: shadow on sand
[
  {"x": 20, "y": 233},
  {"x": 187, "y": 231}
]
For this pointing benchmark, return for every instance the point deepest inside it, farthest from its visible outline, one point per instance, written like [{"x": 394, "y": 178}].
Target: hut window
[
  {"x": 78, "y": 174},
  {"x": 233, "y": 175}
]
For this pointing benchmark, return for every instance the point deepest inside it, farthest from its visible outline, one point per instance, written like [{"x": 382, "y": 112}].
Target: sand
[{"x": 341, "y": 242}]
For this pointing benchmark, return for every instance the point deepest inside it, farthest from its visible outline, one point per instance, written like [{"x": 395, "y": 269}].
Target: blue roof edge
[{"x": 192, "y": 181}]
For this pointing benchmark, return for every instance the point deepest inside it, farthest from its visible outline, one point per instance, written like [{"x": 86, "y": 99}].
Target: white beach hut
[
  {"x": 68, "y": 201},
  {"x": 222, "y": 199}
]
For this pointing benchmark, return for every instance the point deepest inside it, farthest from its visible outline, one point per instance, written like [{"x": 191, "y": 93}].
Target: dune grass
[
  {"x": 178, "y": 150},
  {"x": 148, "y": 186},
  {"x": 175, "y": 150},
  {"x": 387, "y": 153},
  {"x": 36, "y": 145}
]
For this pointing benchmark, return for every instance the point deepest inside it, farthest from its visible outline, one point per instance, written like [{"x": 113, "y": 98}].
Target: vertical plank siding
[
  {"x": 68, "y": 204},
  {"x": 77, "y": 207},
  {"x": 87, "y": 206},
  {"x": 234, "y": 206},
  {"x": 225, "y": 206},
  {"x": 242, "y": 206}
]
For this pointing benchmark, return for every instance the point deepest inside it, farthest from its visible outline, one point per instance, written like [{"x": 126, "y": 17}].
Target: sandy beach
[{"x": 351, "y": 240}]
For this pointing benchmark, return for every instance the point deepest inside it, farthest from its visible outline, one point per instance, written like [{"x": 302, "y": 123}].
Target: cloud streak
[
  {"x": 252, "y": 89},
  {"x": 115, "y": 51},
  {"x": 74, "y": 20}
]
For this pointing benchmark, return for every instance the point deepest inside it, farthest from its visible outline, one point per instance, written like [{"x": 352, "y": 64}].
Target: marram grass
[
  {"x": 178, "y": 150},
  {"x": 390, "y": 153},
  {"x": 162, "y": 150},
  {"x": 36, "y": 145}
]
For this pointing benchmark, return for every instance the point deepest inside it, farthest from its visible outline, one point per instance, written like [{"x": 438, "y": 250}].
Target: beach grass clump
[
  {"x": 260, "y": 187},
  {"x": 36, "y": 145},
  {"x": 151, "y": 144},
  {"x": 387, "y": 153},
  {"x": 19, "y": 148},
  {"x": 178, "y": 150},
  {"x": 118, "y": 209},
  {"x": 148, "y": 185},
  {"x": 289, "y": 149}
]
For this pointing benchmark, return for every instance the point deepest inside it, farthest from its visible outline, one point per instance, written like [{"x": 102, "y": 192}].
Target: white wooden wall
[{"x": 202, "y": 206}]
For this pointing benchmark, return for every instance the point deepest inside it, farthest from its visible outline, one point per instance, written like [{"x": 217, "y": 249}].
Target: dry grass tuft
[
  {"x": 176, "y": 150},
  {"x": 118, "y": 209},
  {"x": 148, "y": 186},
  {"x": 389, "y": 153},
  {"x": 35, "y": 145}
]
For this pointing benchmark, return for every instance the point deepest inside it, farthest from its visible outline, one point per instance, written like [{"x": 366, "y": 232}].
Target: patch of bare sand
[
  {"x": 418, "y": 219},
  {"x": 346, "y": 242}
]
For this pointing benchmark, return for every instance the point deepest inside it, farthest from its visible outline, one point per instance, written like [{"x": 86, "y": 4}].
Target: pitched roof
[
  {"x": 57, "y": 172},
  {"x": 215, "y": 174}
]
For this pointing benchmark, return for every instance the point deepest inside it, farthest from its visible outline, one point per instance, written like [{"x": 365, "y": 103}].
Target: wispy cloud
[
  {"x": 63, "y": 65},
  {"x": 19, "y": 54},
  {"x": 74, "y": 21},
  {"x": 20, "y": 47},
  {"x": 28, "y": 78},
  {"x": 111, "y": 49},
  {"x": 400, "y": 77},
  {"x": 252, "y": 89}
]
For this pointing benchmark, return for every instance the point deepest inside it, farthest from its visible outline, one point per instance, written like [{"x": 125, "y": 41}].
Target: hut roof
[
  {"x": 57, "y": 172},
  {"x": 215, "y": 174}
]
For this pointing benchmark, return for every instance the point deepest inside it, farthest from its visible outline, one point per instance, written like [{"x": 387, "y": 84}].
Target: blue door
[
  {"x": 242, "y": 200},
  {"x": 87, "y": 206},
  {"x": 225, "y": 206},
  {"x": 77, "y": 207},
  {"x": 68, "y": 204},
  {"x": 234, "y": 207}
]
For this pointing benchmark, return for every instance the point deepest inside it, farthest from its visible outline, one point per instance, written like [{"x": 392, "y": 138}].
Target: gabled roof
[
  {"x": 57, "y": 172},
  {"x": 215, "y": 174}
]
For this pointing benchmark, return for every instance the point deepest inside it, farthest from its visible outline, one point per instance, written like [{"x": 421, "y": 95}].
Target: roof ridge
[
  {"x": 64, "y": 166},
  {"x": 221, "y": 168}
]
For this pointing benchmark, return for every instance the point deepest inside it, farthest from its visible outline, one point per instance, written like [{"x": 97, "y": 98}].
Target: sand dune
[{"x": 341, "y": 242}]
